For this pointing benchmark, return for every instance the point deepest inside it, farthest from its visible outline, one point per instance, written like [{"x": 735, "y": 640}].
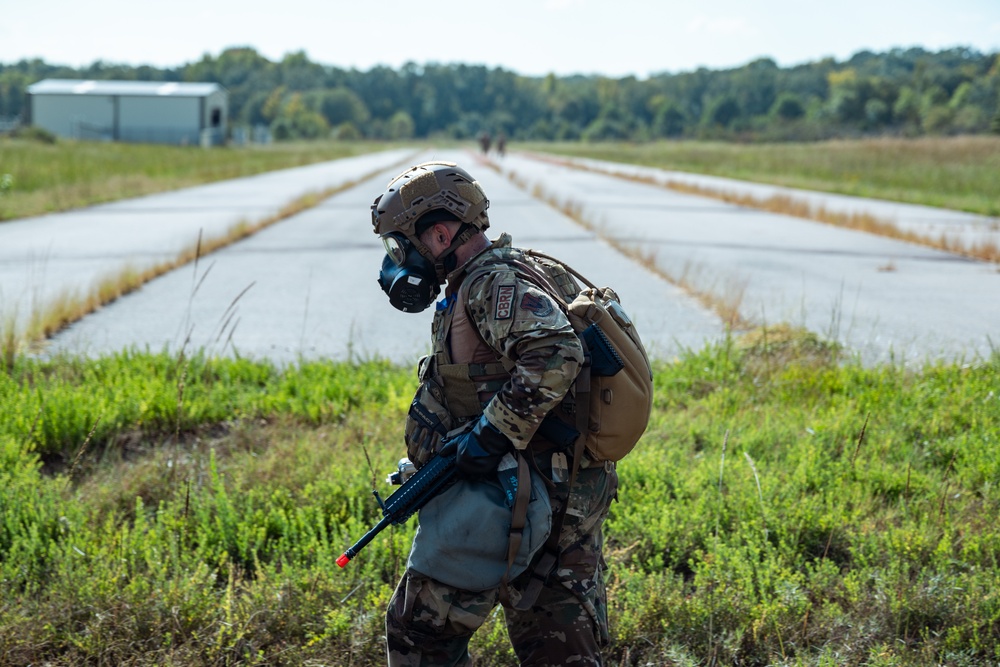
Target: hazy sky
[{"x": 612, "y": 37}]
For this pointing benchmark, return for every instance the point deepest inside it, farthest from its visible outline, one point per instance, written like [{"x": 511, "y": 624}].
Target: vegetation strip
[
  {"x": 988, "y": 251},
  {"x": 48, "y": 319},
  {"x": 784, "y": 507}
]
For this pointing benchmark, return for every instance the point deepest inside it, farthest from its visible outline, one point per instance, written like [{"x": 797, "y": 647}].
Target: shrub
[{"x": 34, "y": 133}]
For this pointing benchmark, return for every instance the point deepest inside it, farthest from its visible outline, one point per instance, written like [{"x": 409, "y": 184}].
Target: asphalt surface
[
  {"x": 884, "y": 299},
  {"x": 306, "y": 287},
  {"x": 962, "y": 229},
  {"x": 66, "y": 254}
]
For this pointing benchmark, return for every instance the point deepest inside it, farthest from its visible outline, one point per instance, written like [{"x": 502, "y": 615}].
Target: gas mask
[{"x": 407, "y": 277}]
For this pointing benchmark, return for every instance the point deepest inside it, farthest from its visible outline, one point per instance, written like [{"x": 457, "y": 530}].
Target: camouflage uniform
[{"x": 507, "y": 317}]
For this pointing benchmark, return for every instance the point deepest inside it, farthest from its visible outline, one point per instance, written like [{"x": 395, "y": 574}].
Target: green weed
[{"x": 786, "y": 506}]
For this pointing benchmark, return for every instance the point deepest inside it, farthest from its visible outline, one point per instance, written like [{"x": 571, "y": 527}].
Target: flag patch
[{"x": 504, "y": 302}]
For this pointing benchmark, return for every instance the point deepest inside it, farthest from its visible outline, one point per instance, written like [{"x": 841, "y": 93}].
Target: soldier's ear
[{"x": 442, "y": 234}]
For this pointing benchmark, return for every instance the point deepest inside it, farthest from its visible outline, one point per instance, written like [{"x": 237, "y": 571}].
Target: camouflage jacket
[{"x": 526, "y": 330}]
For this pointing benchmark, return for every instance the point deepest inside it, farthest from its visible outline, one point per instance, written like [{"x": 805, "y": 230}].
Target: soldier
[{"x": 504, "y": 357}]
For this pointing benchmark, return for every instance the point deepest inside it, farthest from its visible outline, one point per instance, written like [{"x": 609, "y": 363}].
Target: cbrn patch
[{"x": 504, "y": 302}]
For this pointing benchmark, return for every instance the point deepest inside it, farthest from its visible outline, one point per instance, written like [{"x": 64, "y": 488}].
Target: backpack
[
  {"x": 610, "y": 401},
  {"x": 613, "y": 394}
]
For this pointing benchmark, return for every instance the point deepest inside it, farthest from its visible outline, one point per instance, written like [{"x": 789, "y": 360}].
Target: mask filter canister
[{"x": 411, "y": 287}]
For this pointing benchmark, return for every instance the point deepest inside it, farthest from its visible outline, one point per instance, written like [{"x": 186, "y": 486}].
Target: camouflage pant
[{"x": 430, "y": 623}]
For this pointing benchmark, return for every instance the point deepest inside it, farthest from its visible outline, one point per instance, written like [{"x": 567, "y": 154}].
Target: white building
[{"x": 133, "y": 111}]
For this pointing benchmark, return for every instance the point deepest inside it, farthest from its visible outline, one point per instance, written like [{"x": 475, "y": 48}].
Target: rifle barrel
[
  {"x": 423, "y": 485},
  {"x": 346, "y": 557}
]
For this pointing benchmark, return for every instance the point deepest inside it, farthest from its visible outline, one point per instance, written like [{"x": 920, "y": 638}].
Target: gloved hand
[
  {"x": 478, "y": 450},
  {"x": 427, "y": 421}
]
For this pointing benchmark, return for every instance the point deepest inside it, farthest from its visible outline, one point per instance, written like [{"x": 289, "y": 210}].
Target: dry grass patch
[
  {"x": 987, "y": 251},
  {"x": 724, "y": 302},
  {"x": 775, "y": 346}
]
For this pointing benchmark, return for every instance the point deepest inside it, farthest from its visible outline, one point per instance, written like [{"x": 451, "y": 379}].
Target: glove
[
  {"x": 426, "y": 422},
  {"x": 477, "y": 451}
]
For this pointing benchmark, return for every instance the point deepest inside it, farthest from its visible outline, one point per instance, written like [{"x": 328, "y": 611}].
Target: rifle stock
[{"x": 433, "y": 478}]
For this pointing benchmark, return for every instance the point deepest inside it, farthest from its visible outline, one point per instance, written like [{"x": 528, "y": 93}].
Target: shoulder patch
[
  {"x": 504, "y": 302},
  {"x": 539, "y": 306}
]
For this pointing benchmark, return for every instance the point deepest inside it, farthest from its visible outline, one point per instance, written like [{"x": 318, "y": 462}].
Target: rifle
[{"x": 433, "y": 478}]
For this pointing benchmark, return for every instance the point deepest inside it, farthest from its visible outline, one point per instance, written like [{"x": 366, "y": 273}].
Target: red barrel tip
[{"x": 343, "y": 560}]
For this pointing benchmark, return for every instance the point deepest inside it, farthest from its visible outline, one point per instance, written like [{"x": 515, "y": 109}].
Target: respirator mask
[{"x": 407, "y": 277}]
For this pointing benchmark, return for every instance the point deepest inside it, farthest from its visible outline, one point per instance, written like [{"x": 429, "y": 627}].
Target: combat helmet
[{"x": 430, "y": 187}]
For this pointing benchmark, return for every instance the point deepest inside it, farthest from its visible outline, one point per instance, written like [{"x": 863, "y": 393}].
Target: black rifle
[{"x": 433, "y": 478}]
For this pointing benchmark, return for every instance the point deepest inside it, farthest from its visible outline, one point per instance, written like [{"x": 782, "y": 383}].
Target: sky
[{"x": 615, "y": 38}]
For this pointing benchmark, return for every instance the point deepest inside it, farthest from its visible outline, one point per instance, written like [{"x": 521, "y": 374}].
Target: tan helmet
[{"x": 427, "y": 187}]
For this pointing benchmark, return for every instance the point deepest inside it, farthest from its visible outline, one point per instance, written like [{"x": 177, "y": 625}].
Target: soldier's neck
[{"x": 471, "y": 248}]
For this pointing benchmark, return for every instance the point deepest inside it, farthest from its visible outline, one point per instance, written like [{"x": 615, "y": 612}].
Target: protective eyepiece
[{"x": 395, "y": 248}]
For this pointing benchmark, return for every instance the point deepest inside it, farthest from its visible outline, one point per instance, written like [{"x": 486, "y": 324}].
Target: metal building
[{"x": 133, "y": 111}]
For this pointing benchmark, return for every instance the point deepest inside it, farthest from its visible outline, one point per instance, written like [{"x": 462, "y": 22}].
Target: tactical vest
[
  {"x": 470, "y": 371},
  {"x": 467, "y": 370}
]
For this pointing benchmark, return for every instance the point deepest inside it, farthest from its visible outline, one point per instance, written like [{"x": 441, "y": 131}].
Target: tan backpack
[
  {"x": 610, "y": 402},
  {"x": 615, "y": 386}
]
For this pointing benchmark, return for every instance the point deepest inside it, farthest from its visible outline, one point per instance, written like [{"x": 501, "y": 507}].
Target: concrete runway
[
  {"x": 884, "y": 299},
  {"x": 306, "y": 287},
  {"x": 65, "y": 254},
  {"x": 958, "y": 227}
]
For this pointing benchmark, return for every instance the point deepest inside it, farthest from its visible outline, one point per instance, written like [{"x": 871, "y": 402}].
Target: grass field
[
  {"x": 959, "y": 173},
  {"x": 783, "y": 508},
  {"x": 70, "y": 174}
]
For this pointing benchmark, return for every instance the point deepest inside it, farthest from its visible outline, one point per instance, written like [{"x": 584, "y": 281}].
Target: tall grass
[
  {"x": 949, "y": 172},
  {"x": 785, "y": 506},
  {"x": 70, "y": 174}
]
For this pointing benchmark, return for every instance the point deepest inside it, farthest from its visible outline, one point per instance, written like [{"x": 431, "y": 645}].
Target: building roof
[{"x": 123, "y": 88}]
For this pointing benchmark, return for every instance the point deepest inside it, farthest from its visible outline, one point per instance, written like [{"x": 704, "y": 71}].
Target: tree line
[{"x": 904, "y": 92}]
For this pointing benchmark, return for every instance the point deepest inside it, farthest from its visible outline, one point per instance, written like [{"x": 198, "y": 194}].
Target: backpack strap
[
  {"x": 518, "y": 519},
  {"x": 550, "y": 550},
  {"x": 577, "y": 274}
]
